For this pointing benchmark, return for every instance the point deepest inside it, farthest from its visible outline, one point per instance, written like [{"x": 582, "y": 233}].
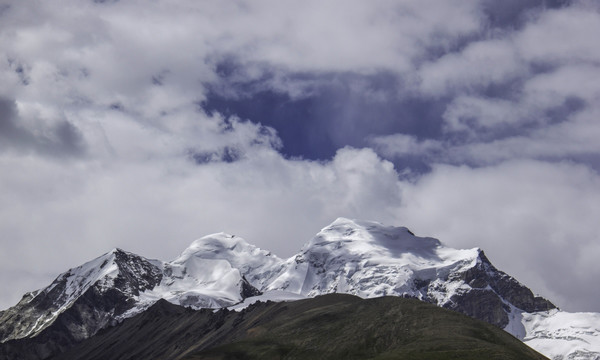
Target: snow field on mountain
[
  {"x": 362, "y": 258},
  {"x": 368, "y": 259},
  {"x": 562, "y": 335}
]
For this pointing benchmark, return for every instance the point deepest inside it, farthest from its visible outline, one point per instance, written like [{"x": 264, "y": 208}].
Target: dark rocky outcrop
[
  {"x": 491, "y": 292},
  {"x": 248, "y": 290}
]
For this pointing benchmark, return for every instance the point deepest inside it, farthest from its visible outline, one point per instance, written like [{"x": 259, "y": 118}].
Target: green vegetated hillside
[{"x": 332, "y": 326}]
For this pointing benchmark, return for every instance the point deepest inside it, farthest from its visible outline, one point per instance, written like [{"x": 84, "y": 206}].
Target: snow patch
[
  {"x": 276, "y": 296},
  {"x": 563, "y": 335}
]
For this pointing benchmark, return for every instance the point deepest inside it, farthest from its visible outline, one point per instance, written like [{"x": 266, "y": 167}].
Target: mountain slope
[
  {"x": 369, "y": 259},
  {"x": 356, "y": 257},
  {"x": 207, "y": 274},
  {"x": 327, "y": 327},
  {"x": 94, "y": 295},
  {"x": 213, "y": 272}
]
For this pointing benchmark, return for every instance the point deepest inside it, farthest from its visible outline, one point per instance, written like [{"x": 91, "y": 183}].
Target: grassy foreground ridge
[{"x": 334, "y": 326}]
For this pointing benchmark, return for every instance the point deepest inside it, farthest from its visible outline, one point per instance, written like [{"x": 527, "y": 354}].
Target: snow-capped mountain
[
  {"x": 119, "y": 284},
  {"x": 369, "y": 259},
  {"x": 215, "y": 271},
  {"x": 93, "y": 295},
  {"x": 361, "y": 258},
  {"x": 561, "y": 335}
]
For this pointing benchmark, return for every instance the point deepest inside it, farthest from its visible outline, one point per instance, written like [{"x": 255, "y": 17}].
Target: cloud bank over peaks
[
  {"x": 144, "y": 125},
  {"x": 63, "y": 212}
]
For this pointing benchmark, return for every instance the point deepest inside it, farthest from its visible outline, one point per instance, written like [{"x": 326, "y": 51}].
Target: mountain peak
[
  {"x": 217, "y": 243},
  {"x": 223, "y": 246},
  {"x": 211, "y": 272},
  {"x": 115, "y": 276},
  {"x": 118, "y": 251},
  {"x": 360, "y": 236}
]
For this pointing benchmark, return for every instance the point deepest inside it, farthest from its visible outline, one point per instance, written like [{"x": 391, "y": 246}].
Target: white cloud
[
  {"x": 479, "y": 65},
  {"x": 402, "y": 145},
  {"x": 562, "y": 36},
  {"x": 128, "y": 76},
  {"x": 472, "y": 113},
  {"x": 576, "y": 136},
  {"x": 578, "y": 81}
]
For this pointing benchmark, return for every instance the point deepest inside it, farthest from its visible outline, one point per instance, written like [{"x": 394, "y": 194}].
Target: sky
[{"x": 146, "y": 124}]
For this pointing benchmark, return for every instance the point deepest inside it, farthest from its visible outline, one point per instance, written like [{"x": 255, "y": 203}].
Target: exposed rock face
[
  {"x": 491, "y": 294},
  {"x": 248, "y": 290},
  {"x": 92, "y": 296},
  {"x": 136, "y": 274}
]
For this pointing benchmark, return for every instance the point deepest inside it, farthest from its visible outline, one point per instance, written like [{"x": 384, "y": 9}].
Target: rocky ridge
[{"x": 356, "y": 257}]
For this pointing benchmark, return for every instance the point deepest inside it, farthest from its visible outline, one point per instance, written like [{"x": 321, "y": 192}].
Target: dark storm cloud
[{"x": 60, "y": 139}]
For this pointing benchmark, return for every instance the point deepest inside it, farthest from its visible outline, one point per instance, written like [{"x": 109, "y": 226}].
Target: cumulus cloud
[
  {"x": 58, "y": 138},
  {"x": 121, "y": 125}
]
